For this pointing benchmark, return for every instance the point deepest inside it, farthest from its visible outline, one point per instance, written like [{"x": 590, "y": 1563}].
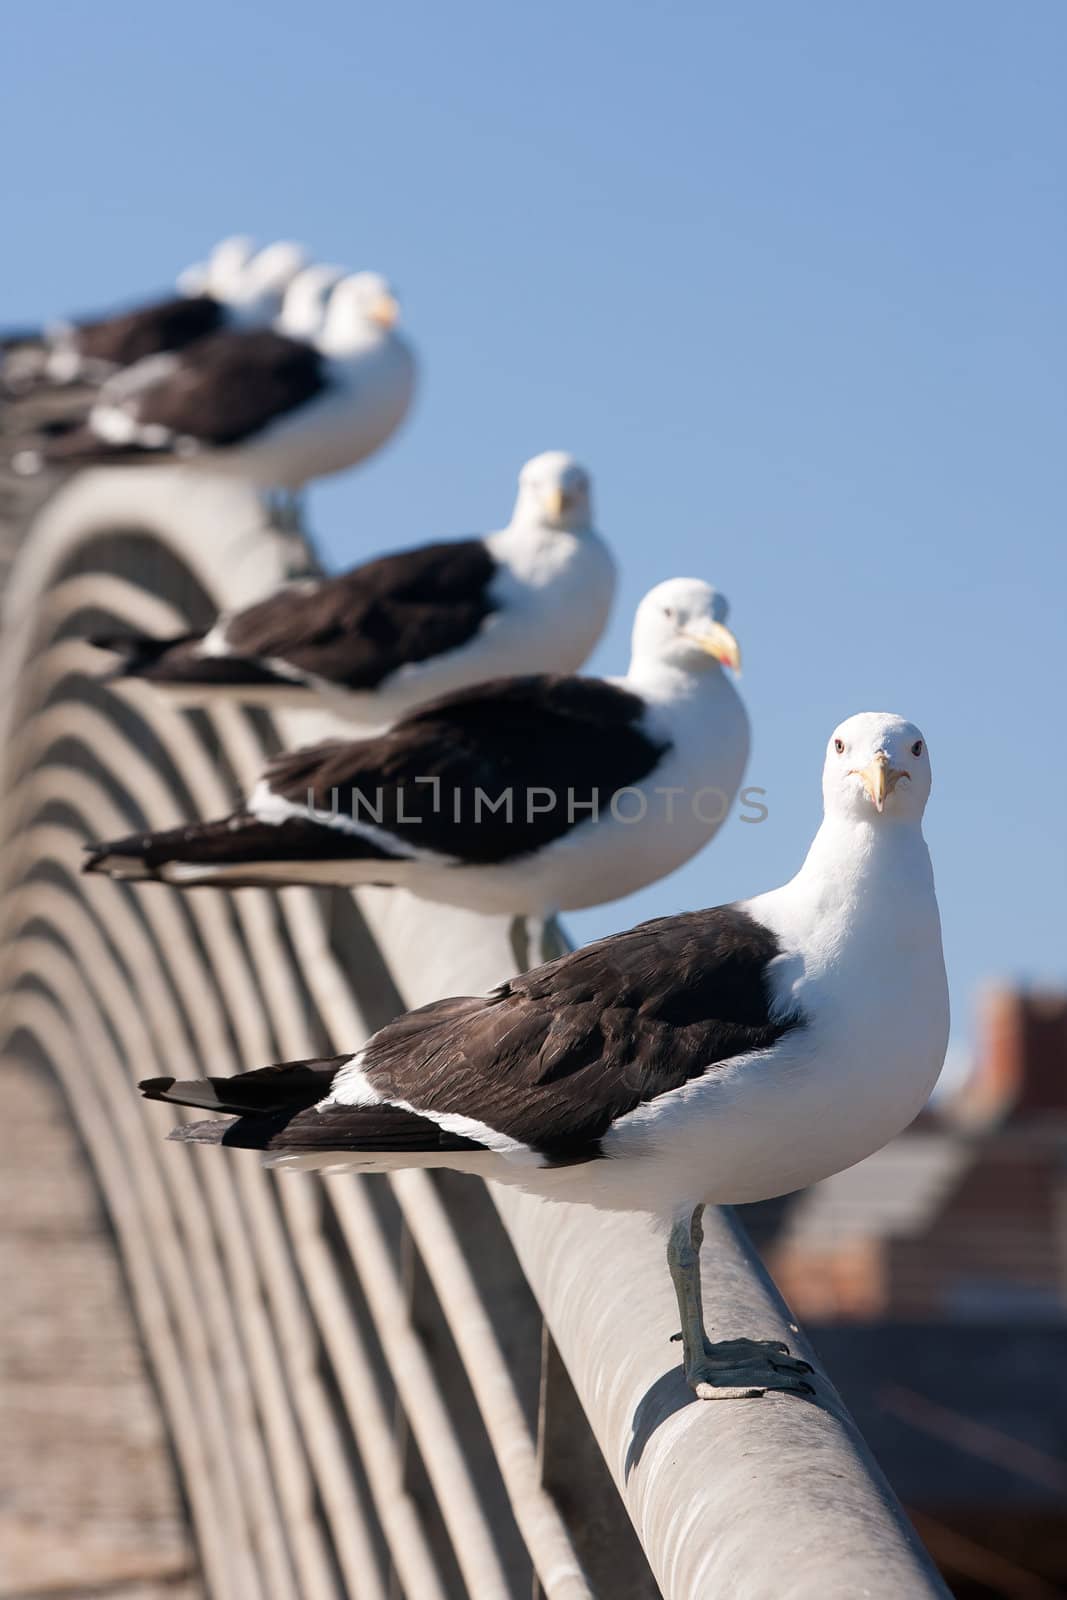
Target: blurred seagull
[
  {"x": 715, "y": 1057},
  {"x": 303, "y": 311},
  {"x": 236, "y": 287},
  {"x": 406, "y": 628},
  {"x": 524, "y": 795},
  {"x": 256, "y": 403}
]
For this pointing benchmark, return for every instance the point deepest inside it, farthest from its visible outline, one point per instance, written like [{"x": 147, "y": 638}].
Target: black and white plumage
[
  {"x": 720, "y": 1056},
  {"x": 549, "y": 1059},
  {"x": 271, "y": 408},
  {"x": 522, "y": 795},
  {"x": 406, "y": 628},
  {"x": 236, "y": 287}
]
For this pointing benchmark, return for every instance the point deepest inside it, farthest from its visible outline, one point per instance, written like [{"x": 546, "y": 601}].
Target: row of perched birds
[
  {"x": 723, "y": 1055},
  {"x": 262, "y": 364}
]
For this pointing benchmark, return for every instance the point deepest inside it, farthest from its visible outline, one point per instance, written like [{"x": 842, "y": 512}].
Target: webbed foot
[{"x": 734, "y": 1369}]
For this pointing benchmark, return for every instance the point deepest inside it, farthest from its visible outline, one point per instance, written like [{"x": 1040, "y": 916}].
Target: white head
[
  {"x": 877, "y": 766},
  {"x": 361, "y": 306},
  {"x": 303, "y": 310},
  {"x": 265, "y": 279},
  {"x": 682, "y": 623},
  {"x": 223, "y": 272},
  {"x": 555, "y": 492}
]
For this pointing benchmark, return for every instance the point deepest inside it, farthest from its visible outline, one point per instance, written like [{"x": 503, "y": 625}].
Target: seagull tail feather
[
  {"x": 197, "y": 844},
  {"x": 180, "y": 662}
]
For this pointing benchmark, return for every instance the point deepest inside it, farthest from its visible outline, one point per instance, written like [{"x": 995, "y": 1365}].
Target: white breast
[
  {"x": 548, "y": 615},
  {"x": 862, "y": 965}
]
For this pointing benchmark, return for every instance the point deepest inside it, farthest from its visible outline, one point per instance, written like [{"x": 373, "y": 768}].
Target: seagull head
[
  {"x": 877, "y": 765},
  {"x": 222, "y": 273},
  {"x": 682, "y": 623},
  {"x": 555, "y": 492},
  {"x": 361, "y": 305},
  {"x": 306, "y": 299},
  {"x": 267, "y": 276}
]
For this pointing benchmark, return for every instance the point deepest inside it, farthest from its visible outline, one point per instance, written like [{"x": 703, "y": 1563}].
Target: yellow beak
[
  {"x": 879, "y": 779},
  {"x": 385, "y": 312},
  {"x": 718, "y": 641},
  {"x": 555, "y": 502}
]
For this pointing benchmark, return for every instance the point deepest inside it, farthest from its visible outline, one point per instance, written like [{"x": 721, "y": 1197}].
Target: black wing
[
  {"x": 552, "y": 1058},
  {"x": 357, "y": 629},
  {"x": 171, "y": 324},
  {"x": 230, "y": 386},
  {"x": 482, "y": 776},
  {"x": 180, "y": 660},
  {"x": 238, "y": 839},
  {"x": 267, "y": 1104}
]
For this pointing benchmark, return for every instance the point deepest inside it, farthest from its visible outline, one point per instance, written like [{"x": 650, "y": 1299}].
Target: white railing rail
[{"x": 368, "y": 1383}]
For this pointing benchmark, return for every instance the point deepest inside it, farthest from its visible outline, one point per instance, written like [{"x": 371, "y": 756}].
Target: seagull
[
  {"x": 524, "y": 796},
  {"x": 716, "y": 1057},
  {"x": 236, "y": 287},
  {"x": 257, "y": 403},
  {"x": 303, "y": 311},
  {"x": 386, "y": 637},
  {"x": 223, "y": 272}
]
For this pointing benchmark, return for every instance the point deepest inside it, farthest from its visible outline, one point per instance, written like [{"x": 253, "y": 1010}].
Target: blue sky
[{"x": 789, "y": 279}]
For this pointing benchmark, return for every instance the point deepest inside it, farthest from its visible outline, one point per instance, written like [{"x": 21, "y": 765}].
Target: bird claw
[
  {"x": 749, "y": 1350},
  {"x": 752, "y": 1348}
]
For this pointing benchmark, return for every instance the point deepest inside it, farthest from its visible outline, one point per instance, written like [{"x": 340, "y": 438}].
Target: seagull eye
[
  {"x": 917, "y": 748},
  {"x": 668, "y": 611},
  {"x": 839, "y": 746}
]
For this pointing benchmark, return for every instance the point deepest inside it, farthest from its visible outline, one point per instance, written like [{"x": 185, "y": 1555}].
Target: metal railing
[{"x": 374, "y": 1387}]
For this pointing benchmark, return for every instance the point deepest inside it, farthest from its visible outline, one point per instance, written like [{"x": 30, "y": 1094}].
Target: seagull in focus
[{"x": 717, "y": 1057}]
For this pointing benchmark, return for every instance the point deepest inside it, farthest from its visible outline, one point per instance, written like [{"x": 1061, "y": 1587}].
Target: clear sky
[{"x": 788, "y": 278}]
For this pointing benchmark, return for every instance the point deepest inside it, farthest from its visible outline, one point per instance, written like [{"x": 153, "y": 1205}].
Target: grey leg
[
  {"x": 538, "y": 934},
  {"x": 285, "y": 508},
  {"x": 734, "y": 1368},
  {"x": 534, "y": 941}
]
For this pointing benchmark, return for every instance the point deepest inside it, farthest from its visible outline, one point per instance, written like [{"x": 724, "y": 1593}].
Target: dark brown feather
[
  {"x": 171, "y": 324},
  {"x": 357, "y": 629},
  {"x": 179, "y": 661},
  {"x": 232, "y": 385},
  {"x": 552, "y": 1058},
  {"x": 374, "y": 1130},
  {"x": 238, "y": 839},
  {"x": 561, "y": 736},
  {"x": 543, "y": 740}
]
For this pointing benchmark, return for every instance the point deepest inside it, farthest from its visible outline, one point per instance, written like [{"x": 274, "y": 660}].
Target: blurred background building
[{"x": 933, "y": 1280}]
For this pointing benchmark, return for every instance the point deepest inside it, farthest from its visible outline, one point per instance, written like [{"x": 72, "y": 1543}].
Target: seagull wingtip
[{"x": 155, "y": 1088}]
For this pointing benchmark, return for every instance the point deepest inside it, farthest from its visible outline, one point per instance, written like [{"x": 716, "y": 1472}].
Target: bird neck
[
  {"x": 533, "y": 550},
  {"x": 858, "y": 863},
  {"x": 344, "y": 336},
  {"x": 864, "y": 895},
  {"x": 658, "y": 680}
]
